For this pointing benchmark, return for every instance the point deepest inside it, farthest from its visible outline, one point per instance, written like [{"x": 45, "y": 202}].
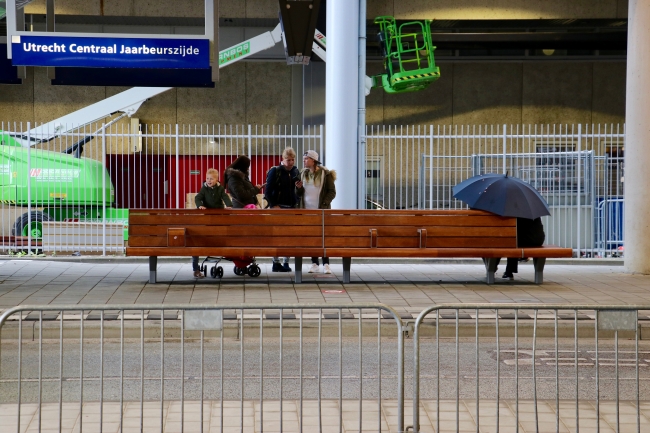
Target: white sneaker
[
  {"x": 326, "y": 269},
  {"x": 314, "y": 268}
]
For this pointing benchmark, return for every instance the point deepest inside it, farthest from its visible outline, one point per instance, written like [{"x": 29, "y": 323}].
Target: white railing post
[
  {"x": 431, "y": 167},
  {"x": 178, "y": 204},
  {"x": 579, "y": 174},
  {"x": 505, "y": 138},
  {"x": 250, "y": 140},
  {"x": 104, "y": 189},
  {"x": 29, "y": 189}
]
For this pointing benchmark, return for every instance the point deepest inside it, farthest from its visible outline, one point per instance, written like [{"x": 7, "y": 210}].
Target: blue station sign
[{"x": 110, "y": 52}]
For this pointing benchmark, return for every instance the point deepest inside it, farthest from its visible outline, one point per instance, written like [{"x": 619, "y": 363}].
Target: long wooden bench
[{"x": 332, "y": 233}]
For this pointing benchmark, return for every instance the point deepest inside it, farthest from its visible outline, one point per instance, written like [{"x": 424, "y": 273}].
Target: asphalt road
[{"x": 331, "y": 361}]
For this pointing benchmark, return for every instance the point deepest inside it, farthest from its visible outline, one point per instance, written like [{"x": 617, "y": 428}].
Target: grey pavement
[
  {"x": 407, "y": 287},
  {"x": 335, "y": 417}
]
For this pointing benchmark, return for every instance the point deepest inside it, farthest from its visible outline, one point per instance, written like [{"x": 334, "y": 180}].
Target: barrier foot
[
  {"x": 153, "y": 267},
  {"x": 539, "y": 263},
  {"x": 490, "y": 269},
  {"x": 346, "y": 269},
  {"x": 298, "y": 266}
]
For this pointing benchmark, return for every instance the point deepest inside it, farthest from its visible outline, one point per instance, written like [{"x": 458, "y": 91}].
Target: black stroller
[{"x": 243, "y": 266}]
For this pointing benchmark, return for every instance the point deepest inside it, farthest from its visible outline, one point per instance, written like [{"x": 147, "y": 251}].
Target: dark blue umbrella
[{"x": 502, "y": 195}]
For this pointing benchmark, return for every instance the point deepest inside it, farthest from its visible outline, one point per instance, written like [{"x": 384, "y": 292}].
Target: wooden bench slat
[
  {"x": 412, "y": 212},
  {"x": 225, "y": 219},
  {"x": 398, "y": 231},
  {"x": 447, "y": 252},
  {"x": 219, "y": 242},
  {"x": 224, "y": 252},
  {"x": 414, "y": 242},
  {"x": 200, "y": 230},
  {"x": 378, "y": 220},
  {"x": 548, "y": 251}
]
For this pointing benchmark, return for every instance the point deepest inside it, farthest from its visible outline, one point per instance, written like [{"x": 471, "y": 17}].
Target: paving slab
[
  {"x": 407, "y": 287},
  {"x": 295, "y": 416}
]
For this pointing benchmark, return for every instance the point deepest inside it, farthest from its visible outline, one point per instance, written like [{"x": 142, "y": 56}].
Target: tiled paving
[
  {"x": 289, "y": 420},
  {"x": 406, "y": 287}
]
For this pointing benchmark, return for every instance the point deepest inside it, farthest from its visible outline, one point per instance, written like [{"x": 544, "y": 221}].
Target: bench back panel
[
  {"x": 419, "y": 229},
  {"x": 227, "y": 228}
]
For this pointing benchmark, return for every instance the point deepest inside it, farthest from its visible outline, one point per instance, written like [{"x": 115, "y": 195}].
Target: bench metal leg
[
  {"x": 539, "y": 263},
  {"x": 490, "y": 268},
  {"x": 153, "y": 267},
  {"x": 298, "y": 266},
  {"x": 347, "y": 261}
]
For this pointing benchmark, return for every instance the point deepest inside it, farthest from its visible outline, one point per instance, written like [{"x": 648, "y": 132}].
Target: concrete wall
[
  {"x": 248, "y": 92},
  {"x": 260, "y": 93},
  {"x": 416, "y": 9},
  {"x": 511, "y": 93}
]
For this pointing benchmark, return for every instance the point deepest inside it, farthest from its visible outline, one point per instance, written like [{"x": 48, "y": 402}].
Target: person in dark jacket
[
  {"x": 530, "y": 233},
  {"x": 280, "y": 193},
  {"x": 211, "y": 196},
  {"x": 242, "y": 191}
]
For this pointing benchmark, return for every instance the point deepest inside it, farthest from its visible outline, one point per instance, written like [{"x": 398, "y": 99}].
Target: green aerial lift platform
[{"x": 408, "y": 55}]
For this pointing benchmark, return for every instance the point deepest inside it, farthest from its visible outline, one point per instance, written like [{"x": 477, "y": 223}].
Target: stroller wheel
[
  {"x": 204, "y": 269},
  {"x": 219, "y": 272},
  {"x": 213, "y": 272},
  {"x": 239, "y": 271},
  {"x": 254, "y": 271}
]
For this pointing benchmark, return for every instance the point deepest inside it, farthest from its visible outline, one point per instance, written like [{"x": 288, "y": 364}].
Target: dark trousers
[
  {"x": 195, "y": 263},
  {"x": 326, "y": 260},
  {"x": 511, "y": 265}
]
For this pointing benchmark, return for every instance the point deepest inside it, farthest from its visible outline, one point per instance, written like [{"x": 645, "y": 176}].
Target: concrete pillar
[
  {"x": 341, "y": 102},
  {"x": 637, "y": 143}
]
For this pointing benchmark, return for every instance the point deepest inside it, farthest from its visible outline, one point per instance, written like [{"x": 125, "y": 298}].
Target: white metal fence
[
  {"x": 175, "y": 368},
  {"x": 541, "y": 367},
  {"x": 324, "y": 367},
  {"x": 579, "y": 169}
]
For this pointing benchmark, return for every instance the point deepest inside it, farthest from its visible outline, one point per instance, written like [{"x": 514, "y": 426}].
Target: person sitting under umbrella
[
  {"x": 507, "y": 196},
  {"x": 530, "y": 233}
]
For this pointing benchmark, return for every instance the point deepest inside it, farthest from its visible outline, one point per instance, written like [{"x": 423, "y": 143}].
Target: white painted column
[
  {"x": 341, "y": 102},
  {"x": 637, "y": 142}
]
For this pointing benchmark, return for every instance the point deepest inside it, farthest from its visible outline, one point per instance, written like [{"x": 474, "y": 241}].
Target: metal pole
[
  {"x": 361, "y": 145},
  {"x": 342, "y": 112}
]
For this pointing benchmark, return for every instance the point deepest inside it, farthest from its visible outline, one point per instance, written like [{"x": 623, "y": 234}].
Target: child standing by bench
[{"x": 211, "y": 196}]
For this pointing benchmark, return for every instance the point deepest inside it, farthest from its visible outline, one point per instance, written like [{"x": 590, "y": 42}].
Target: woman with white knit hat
[{"x": 316, "y": 190}]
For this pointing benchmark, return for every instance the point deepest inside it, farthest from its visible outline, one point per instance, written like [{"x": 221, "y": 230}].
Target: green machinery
[
  {"x": 408, "y": 56},
  {"x": 62, "y": 187}
]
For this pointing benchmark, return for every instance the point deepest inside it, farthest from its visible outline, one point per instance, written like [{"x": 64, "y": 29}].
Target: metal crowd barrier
[
  {"x": 190, "y": 367},
  {"x": 548, "y": 367}
]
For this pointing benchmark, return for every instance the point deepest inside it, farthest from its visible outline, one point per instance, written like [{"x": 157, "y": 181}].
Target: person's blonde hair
[
  {"x": 289, "y": 153},
  {"x": 214, "y": 172}
]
